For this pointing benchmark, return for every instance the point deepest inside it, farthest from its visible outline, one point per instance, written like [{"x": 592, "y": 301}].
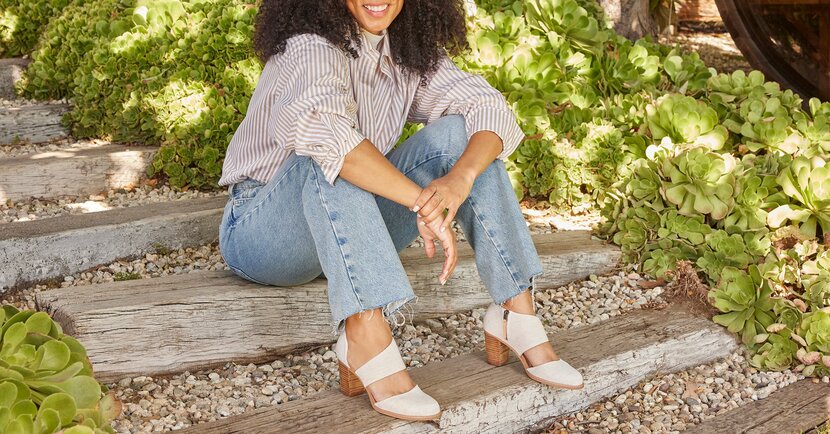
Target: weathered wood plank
[
  {"x": 10, "y": 71},
  {"x": 479, "y": 398},
  {"x": 157, "y": 326},
  {"x": 32, "y": 123},
  {"x": 73, "y": 172},
  {"x": 46, "y": 248},
  {"x": 794, "y": 409}
]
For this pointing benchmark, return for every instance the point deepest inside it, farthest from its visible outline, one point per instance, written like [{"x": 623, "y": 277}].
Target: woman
[{"x": 316, "y": 188}]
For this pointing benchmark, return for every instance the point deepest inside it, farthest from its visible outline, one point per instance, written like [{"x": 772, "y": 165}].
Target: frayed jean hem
[
  {"x": 394, "y": 312},
  {"x": 532, "y": 284}
]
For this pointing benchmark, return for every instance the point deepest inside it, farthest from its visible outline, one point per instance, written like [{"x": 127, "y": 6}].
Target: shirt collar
[{"x": 383, "y": 45}]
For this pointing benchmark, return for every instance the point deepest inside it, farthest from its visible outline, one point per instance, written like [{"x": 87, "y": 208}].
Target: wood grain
[
  {"x": 203, "y": 319},
  {"x": 73, "y": 171},
  {"x": 479, "y": 398},
  {"x": 32, "y": 124}
]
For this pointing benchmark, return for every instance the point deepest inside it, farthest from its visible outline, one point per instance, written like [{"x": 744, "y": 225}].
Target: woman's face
[{"x": 374, "y": 15}]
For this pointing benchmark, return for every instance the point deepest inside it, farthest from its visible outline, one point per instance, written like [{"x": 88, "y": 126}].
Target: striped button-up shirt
[{"x": 316, "y": 100}]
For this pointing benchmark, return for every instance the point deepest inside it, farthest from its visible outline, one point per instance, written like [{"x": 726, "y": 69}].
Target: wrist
[
  {"x": 466, "y": 174},
  {"x": 412, "y": 195}
]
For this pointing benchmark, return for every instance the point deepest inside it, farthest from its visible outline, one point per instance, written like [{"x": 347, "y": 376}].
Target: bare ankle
[
  {"x": 368, "y": 333},
  {"x": 521, "y": 303}
]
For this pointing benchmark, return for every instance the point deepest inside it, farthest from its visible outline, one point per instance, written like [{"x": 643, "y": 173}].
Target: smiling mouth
[{"x": 376, "y": 10}]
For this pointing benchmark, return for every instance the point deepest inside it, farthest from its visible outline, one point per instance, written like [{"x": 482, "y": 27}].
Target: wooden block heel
[
  {"x": 497, "y": 352},
  {"x": 350, "y": 385}
]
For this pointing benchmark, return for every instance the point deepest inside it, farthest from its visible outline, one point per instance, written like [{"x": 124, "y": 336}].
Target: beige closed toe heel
[
  {"x": 411, "y": 405},
  {"x": 505, "y": 330}
]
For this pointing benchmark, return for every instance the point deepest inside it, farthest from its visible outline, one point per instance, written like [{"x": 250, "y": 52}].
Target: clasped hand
[{"x": 446, "y": 193}]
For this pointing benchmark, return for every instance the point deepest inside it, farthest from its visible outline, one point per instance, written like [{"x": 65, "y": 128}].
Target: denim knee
[{"x": 449, "y": 137}]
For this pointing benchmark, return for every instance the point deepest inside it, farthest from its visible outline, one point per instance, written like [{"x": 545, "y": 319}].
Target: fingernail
[
  {"x": 442, "y": 229},
  {"x": 443, "y": 281},
  {"x": 423, "y": 223},
  {"x": 416, "y": 208}
]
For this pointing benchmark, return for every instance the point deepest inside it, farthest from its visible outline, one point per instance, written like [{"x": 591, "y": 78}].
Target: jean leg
[
  {"x": 355, "y": 248},
  {"x": 491, "y": 218},
  {"x": 264, "y": 236}
]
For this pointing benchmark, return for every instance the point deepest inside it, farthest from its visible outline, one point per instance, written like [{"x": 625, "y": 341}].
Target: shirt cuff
[
  {"x": 330, "y": 152},
  {"x": 500, "y": 121}
]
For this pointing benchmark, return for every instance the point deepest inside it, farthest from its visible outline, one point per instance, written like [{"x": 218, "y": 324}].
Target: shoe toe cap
[
  {"x": 558, "y": 371},
  {"x": 413, "y": 403}
]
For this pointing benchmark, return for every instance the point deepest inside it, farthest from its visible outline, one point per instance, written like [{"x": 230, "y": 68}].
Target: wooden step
[
  {"x": 58, "y": 246},
  {"x": 204, "y": 319},
  {"x": 794, "y": 409},
  {"x": 32, "y": 123},
  {"x": 10, "y": 72},
  {"x": 75, "y": 171},
  {"x": 613, "y": 356}
]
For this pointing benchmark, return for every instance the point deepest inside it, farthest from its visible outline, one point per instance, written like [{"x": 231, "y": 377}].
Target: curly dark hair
[{"x": 419, "y": 36}]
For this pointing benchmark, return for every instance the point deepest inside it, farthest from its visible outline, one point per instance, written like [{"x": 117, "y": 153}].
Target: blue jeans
[{"x": 297, "y": 227}]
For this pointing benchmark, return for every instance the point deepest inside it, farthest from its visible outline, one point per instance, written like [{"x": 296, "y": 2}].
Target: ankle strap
[
  {"x": 524, "y": 331},
  {"x": 386, "y": 363}
]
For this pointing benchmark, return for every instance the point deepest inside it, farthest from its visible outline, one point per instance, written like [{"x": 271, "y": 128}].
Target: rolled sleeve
[
  {"x": 453, "y": 91},
  {"x": 498, "y": 120},
  {"x": 320, "y": 110},
  {"x": 326, "y": 138}
]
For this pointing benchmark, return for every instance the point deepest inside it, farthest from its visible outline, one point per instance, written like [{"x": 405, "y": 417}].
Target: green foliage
[
  {"x": 700, "y": 182},
  {"x": 21, "y": 23},
  {"x": 745, "y": 297},
  {"x": 46, "y": 381},
  {"x": 684, "y": 119},
  {"x": 806, "y": 181},
  {"x": 178, "y": 73}
]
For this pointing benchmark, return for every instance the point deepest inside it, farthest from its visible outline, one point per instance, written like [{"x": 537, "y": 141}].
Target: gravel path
[
  {"x": 59, "y": 145},
  {"x": 20, "y": 102},
  {"x": 673, "y": 402},
  {"x": 40, "y": 208}
]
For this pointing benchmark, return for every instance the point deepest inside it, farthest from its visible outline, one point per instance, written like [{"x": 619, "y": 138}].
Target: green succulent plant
[
  {"x": 566, "y": 20},
  {"x": 787, "y": 313},
  {"x": 752, "y": 199},
  {"x": 684, "y": 119},
  {"x": 816, "y": 327},
  {"x": 700, "y": 182},
  {"x": 806, "y": 181},
  {"x": 46, "y": 382},
  {"x": 724, "y": 250},
  {"x": 816, "y": 280},
  {"x": 744, "y": 297},
  {"x": 777, "y": 353}
]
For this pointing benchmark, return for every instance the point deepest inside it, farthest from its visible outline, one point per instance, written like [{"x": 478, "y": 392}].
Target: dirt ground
[{"x": 712, "y": 41}]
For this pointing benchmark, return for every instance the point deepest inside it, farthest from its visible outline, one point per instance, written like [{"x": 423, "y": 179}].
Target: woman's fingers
[
  {"x": 452, "y": 260},
  {"x": 447, "y": 239},
  {"x": 432, "y": 209},
  {"x": 451, "y": 210},
  {"x": 424, "y": 197},
  {"x": 429, "y": 239}
]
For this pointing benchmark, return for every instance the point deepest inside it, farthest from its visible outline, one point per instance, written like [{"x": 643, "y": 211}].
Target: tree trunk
[{"x": 630, "y": 18}]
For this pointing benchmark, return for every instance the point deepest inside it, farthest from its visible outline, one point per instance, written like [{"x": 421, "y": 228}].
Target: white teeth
[{"x": 380, "y": 8}]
